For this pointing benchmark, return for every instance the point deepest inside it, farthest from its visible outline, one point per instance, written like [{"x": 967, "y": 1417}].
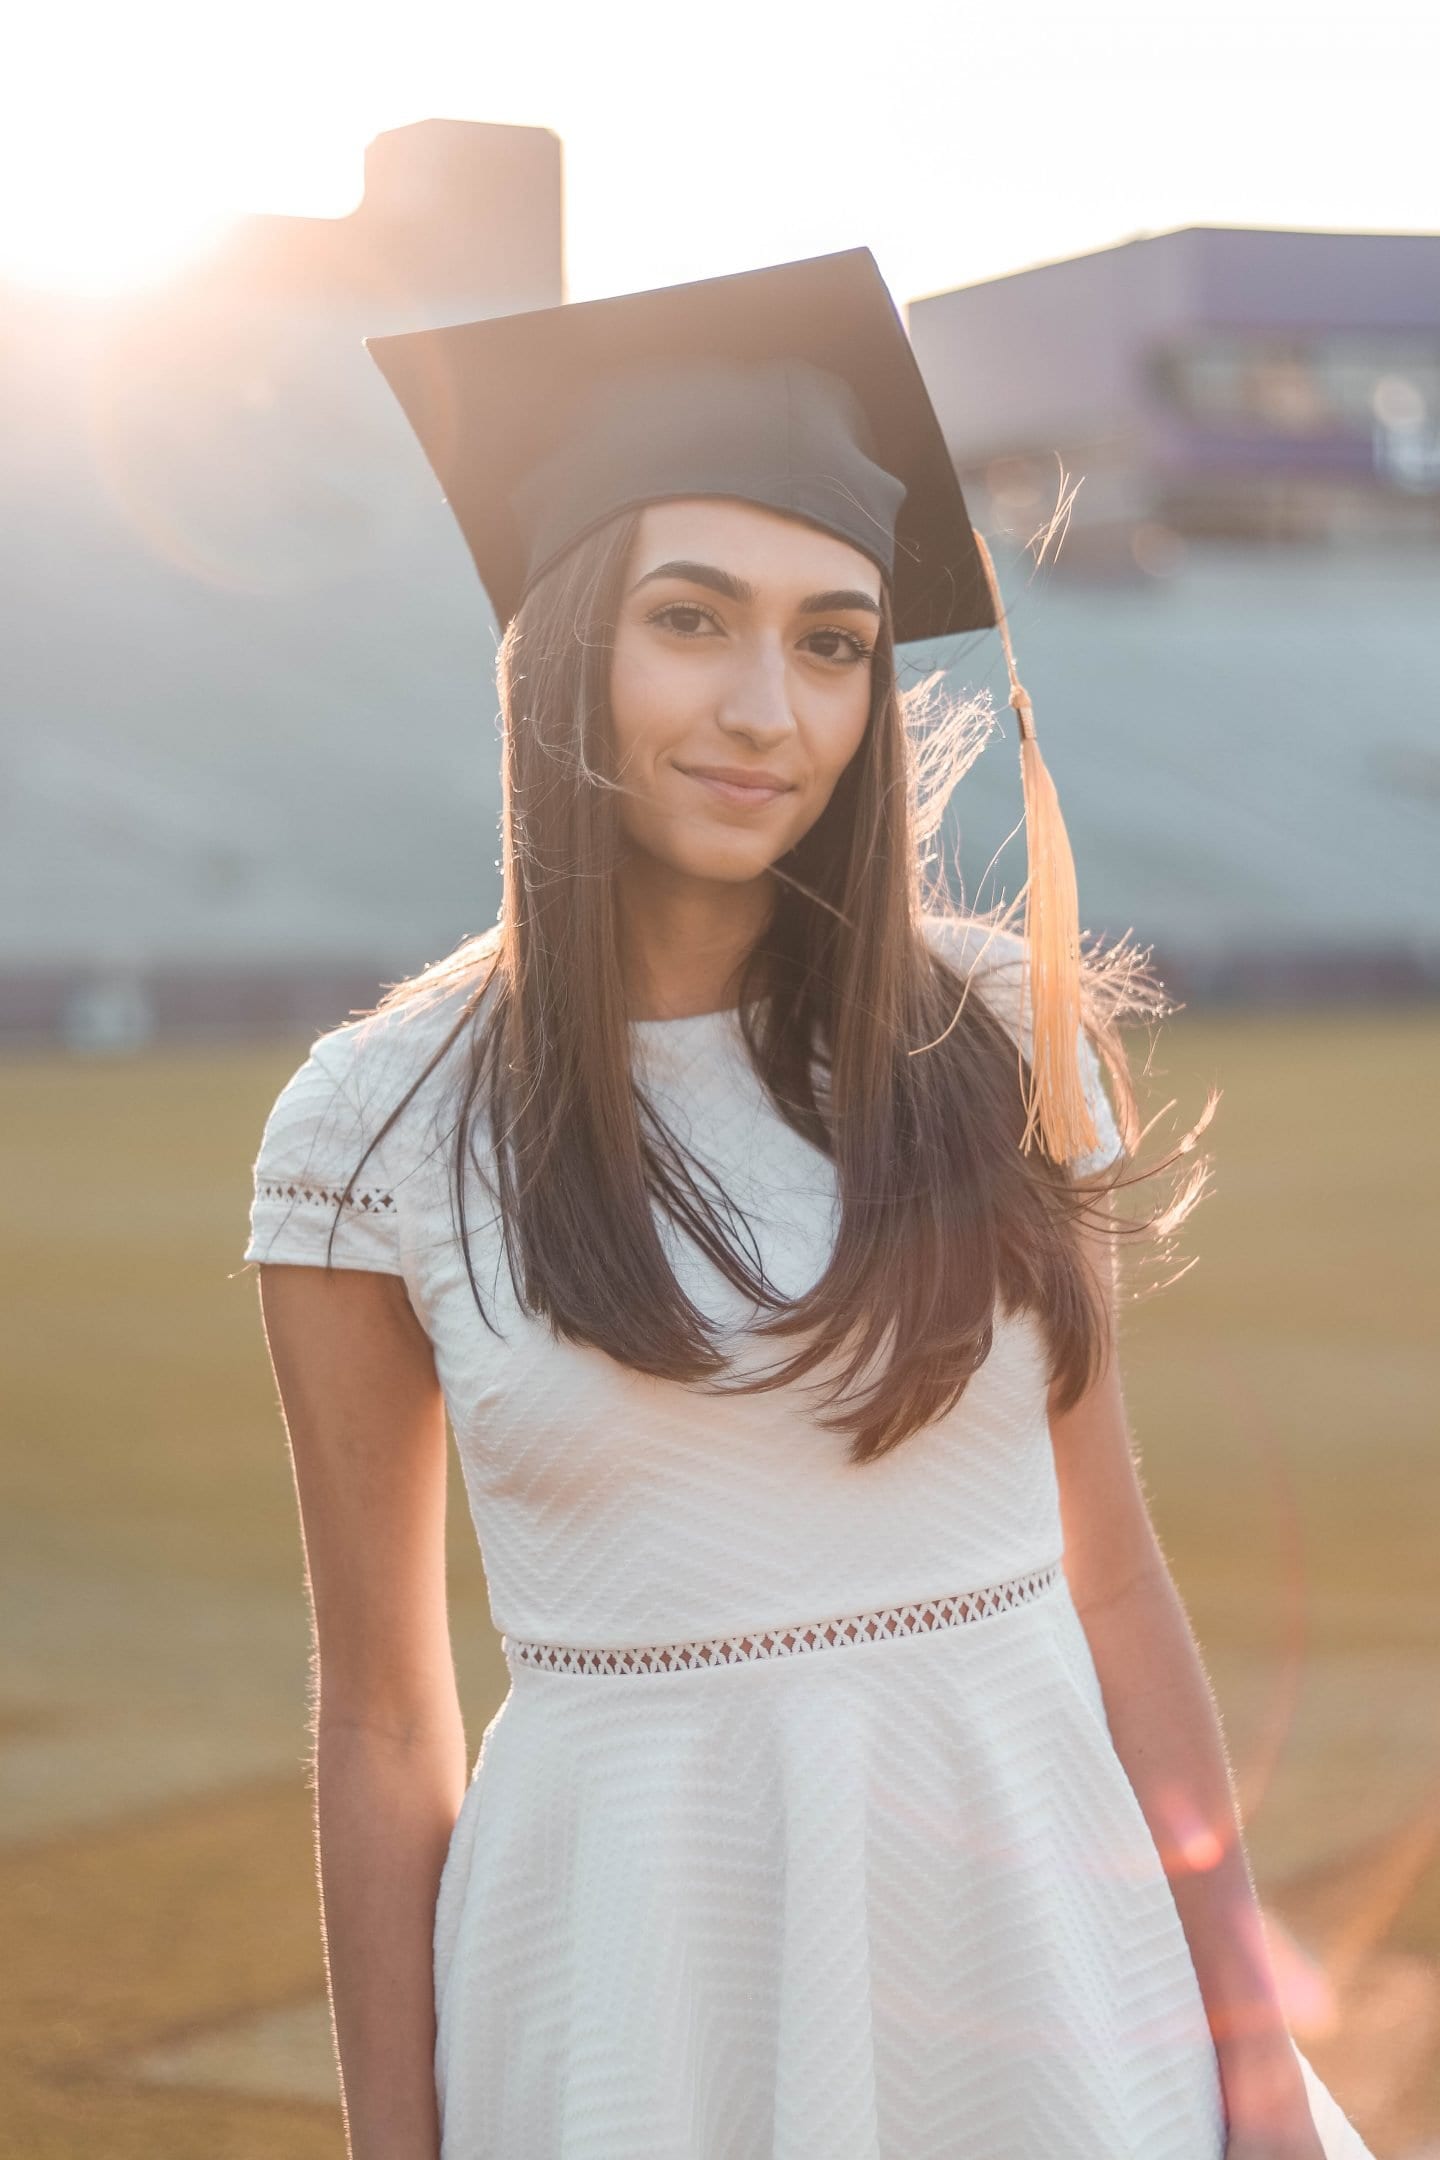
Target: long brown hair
[{"x": 919, "y": 1100}]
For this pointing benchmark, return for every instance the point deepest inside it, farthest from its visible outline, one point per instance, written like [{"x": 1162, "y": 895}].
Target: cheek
[
  {"x": 839, "y": 732},
  {"x": 648, "y": 698}
]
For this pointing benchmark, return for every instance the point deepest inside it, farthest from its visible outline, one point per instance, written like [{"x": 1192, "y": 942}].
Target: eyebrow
[{"x": 738, "y": 589}]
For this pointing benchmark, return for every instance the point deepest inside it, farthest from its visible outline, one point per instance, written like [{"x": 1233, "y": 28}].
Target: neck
[{"x": 684, "y": 941}]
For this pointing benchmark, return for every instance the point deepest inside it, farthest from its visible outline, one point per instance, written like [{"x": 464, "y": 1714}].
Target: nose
[{"x": 755, "y": 705}]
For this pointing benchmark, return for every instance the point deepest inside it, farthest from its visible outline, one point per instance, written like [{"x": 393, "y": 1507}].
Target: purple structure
[{"x": 1214, "y": 383}]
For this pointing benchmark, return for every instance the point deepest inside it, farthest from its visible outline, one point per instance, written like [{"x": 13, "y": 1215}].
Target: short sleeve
[
  {"x": 997, "y": 961},
  {"x": 1109, "y": 1146},
  {"x": 314, "y": 1138}
]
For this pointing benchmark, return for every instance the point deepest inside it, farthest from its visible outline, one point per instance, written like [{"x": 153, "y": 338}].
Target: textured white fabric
[{"x": 894, "y": 1902}]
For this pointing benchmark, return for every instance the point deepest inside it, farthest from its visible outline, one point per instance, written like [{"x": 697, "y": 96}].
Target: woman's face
[{"x": 740, "y": 687}]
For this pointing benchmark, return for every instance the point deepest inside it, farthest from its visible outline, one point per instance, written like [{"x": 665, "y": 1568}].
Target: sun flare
[{"x": 98, "y": 245}]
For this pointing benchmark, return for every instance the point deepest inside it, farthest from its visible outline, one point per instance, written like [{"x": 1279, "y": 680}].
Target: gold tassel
[{"x": 1056, "y": 1101}]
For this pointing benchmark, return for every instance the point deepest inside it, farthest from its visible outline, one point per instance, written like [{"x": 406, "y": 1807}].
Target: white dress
[{"x": 841, "y": 1861}]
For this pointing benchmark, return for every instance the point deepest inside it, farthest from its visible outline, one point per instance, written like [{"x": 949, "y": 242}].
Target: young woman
[{"x": 859, "y": 1793}]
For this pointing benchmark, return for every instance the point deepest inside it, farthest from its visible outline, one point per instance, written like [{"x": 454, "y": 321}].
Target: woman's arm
[
  {"x": 366, "y": 1423},
  {"x": 1168, "y": 1736}
]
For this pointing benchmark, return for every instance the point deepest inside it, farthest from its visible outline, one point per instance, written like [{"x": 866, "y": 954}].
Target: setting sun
[
  {"x": 103, "y": 212},
  {"x": 131, "y": 141},
  {"x": 85, "y": 245}
]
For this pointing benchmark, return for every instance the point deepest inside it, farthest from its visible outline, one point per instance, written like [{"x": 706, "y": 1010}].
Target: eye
[
  {"x": 852, "y": 649},
  {"x": 683, "y": 617},
  {"x": 687, "y": 618}
]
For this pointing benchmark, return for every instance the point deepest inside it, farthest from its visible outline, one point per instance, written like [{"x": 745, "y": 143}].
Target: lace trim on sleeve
[{"x": 370, "y": 1200}]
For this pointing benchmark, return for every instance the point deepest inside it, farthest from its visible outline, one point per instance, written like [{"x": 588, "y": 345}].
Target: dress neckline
[
  {"x": 689, "y": 1020},
  {"x": 722, "y": 1016}
]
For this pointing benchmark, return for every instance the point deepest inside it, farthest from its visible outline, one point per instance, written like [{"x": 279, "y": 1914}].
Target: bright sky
[{"x": 956, "y": 141}]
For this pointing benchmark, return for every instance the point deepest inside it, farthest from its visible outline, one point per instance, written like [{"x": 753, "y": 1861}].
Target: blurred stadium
[{"x": 250, "y": 775}]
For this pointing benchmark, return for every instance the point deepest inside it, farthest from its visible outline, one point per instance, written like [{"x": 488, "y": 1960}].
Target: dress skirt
[{"x": 884, "y": 1896}]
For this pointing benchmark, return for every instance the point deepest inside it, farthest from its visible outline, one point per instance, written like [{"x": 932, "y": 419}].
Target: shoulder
[
  {"x": 352, "y": 1128},
  {"x": 969, "y": 943},
  {"x": 415, "y": 1038},
  {"x": 373, "y": 1062},
  {"x": 994, "y": 961},
  {"x": 982, "y": 952},
  {"x": 356, "y": 1074}
]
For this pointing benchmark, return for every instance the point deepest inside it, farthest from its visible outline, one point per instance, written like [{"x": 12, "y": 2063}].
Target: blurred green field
[{"x": 163, "y": 1991}]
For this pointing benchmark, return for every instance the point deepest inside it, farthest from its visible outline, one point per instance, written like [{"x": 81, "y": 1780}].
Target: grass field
[{"x": 162, "y": 1991}]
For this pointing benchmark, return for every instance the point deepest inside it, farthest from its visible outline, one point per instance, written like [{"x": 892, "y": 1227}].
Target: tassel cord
[{"x": 1056, "y": 1104}]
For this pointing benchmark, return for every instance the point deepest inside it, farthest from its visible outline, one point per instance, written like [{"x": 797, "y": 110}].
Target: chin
[{"x": 725, "y": 866}]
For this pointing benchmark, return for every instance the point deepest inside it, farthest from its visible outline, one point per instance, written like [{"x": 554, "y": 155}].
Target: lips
[{"x": 746, "y": 787}]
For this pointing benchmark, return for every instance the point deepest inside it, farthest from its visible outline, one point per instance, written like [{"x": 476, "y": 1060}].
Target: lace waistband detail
[{"x": 882, "y": 1624}]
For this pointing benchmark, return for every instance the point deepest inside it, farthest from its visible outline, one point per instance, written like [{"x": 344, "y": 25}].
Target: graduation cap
[{"x": 794, "y": 387}]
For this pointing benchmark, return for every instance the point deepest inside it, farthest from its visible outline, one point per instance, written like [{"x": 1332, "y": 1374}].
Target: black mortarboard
[{"x": 794, "y": 387}]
